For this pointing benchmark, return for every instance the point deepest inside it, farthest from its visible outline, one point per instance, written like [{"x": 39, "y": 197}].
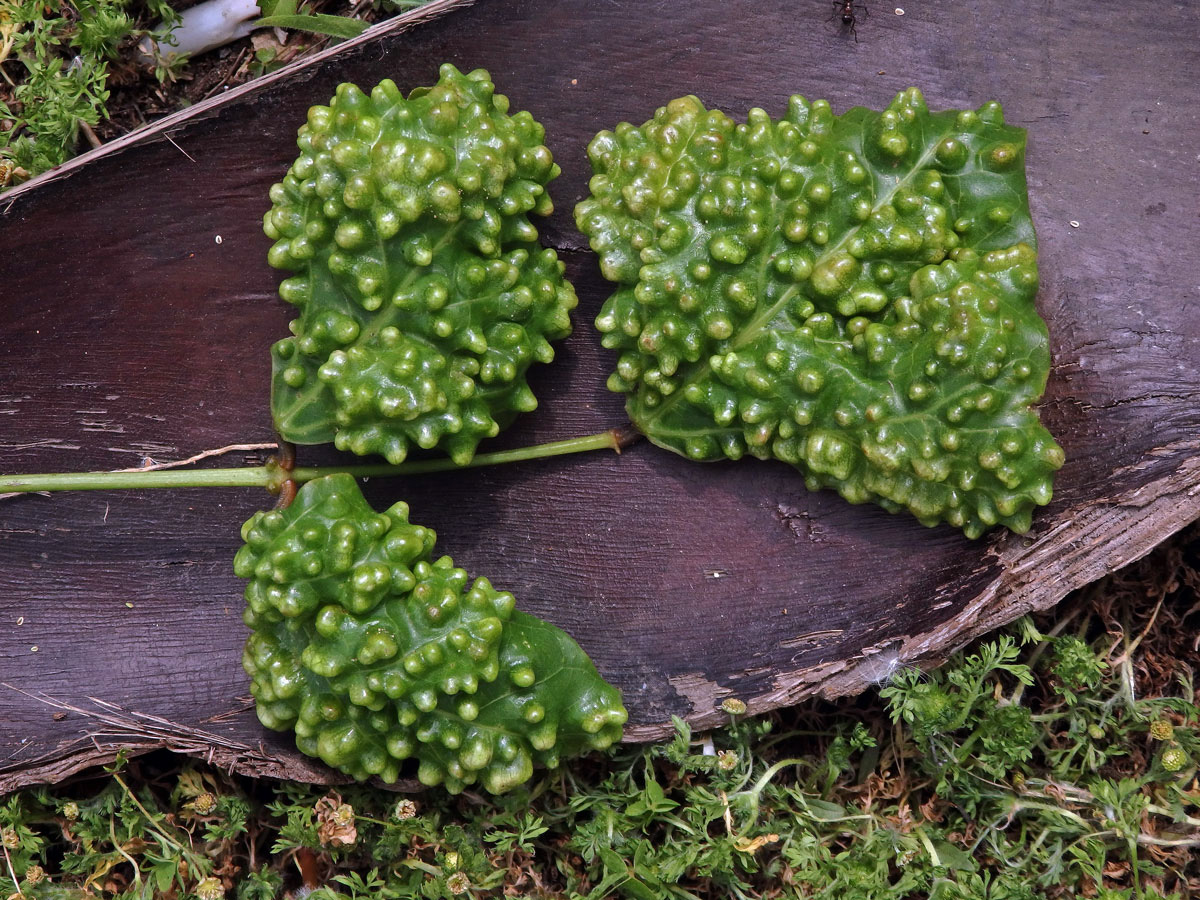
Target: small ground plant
[
  {"x": 72, "y": 75},
  {"x": 1056, "y": 759},
  {"x": 55, "y": 62}
]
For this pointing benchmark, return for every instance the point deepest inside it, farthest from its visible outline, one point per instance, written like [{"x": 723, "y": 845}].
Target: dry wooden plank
[{"x": 128, "y": 331}]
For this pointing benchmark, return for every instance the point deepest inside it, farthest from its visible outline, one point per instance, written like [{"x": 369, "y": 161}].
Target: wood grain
[{"x": 127, "y": 330}]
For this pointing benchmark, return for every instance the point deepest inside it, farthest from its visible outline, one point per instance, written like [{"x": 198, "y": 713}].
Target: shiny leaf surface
[
  {"x": 851, "y": 294},
  {"x": 424, "y": 295},
  {"x": 373, "y": 651}
]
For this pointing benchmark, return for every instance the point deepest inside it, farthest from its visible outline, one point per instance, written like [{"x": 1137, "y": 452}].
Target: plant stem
[
  {"x": 270, "y": 476},
  {"x": 258, "y": 476},
  {"x": 614, "y": 439}
]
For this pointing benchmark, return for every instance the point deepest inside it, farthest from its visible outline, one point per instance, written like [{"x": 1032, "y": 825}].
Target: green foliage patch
[
  {"x": 424, "y": 295},
  {"x": 373, "y": 651},
  {"x": 59, "y": 65},
  {"x": 850, "y": 294},
  {"x": 1056, "y": 760}
]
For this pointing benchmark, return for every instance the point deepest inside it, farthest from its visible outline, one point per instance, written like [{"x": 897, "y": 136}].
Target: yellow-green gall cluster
[
  {"x": 424, "y": 295},
  {"x": 851, "y": 294},
  {"x": 375, "y": 652}
]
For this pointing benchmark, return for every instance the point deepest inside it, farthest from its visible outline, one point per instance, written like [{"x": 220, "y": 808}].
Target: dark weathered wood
[{"x": 127, "y": 330}]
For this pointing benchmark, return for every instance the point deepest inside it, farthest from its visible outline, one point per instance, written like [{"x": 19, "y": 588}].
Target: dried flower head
[
  {"x": 70, "y": 811},
  {"x": 210, "y": 888},
  {"x": 335, "y": 822},
  {"x": 727, "y": 760},
  {"x": 205, "y": 804},
  {"x": 35, "y": 875},
  {"x": 458, "y": 883},
  {"x": 9, "y": 838},
  {"x": 1162, "y": 730},
  {"x": 405, "y": 809},
  {"x": 733, "y": 706},
  {"x": 11, "y": 172}
]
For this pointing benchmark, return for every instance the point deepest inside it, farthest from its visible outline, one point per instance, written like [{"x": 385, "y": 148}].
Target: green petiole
[{"x": 272, "y": 476}]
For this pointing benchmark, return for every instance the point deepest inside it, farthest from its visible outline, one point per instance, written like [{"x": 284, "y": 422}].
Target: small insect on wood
[{"x": 845, "y": 9}]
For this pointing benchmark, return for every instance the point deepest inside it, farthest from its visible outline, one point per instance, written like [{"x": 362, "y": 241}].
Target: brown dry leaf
[
  {"x": 903, "y": 819},
  {"x": 1117, "y": 870},
  {"x": 929, "y": 810},
  {"x": 265, "y": 40},
  {"x": 335, "y": 822},
  {"x": 1053, "y": 790},
  {"x": 966, "y": 836},
  {"x": 884, "y": 787}
]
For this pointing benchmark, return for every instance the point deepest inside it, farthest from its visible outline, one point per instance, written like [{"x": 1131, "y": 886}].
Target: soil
[{"x": 138, "y": 97}]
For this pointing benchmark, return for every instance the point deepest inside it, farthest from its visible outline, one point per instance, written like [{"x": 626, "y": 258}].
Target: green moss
[
  {"x": 851, "y": 294},
  {"x": 424, "y": 295},
  {"x": 373, "y": 651}
]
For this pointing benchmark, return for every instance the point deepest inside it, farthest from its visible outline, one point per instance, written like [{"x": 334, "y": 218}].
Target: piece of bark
[{"x": 138, "y": 309}]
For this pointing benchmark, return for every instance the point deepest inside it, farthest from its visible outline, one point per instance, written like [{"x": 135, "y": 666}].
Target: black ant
[{"x": 845, "y": 8}]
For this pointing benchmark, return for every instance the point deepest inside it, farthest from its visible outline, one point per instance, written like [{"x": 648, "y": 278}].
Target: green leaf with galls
[
  {"x": 424, "y": 295},
  {"x": 851, "y": 294},
  {"x": 374, "y": 652}
]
